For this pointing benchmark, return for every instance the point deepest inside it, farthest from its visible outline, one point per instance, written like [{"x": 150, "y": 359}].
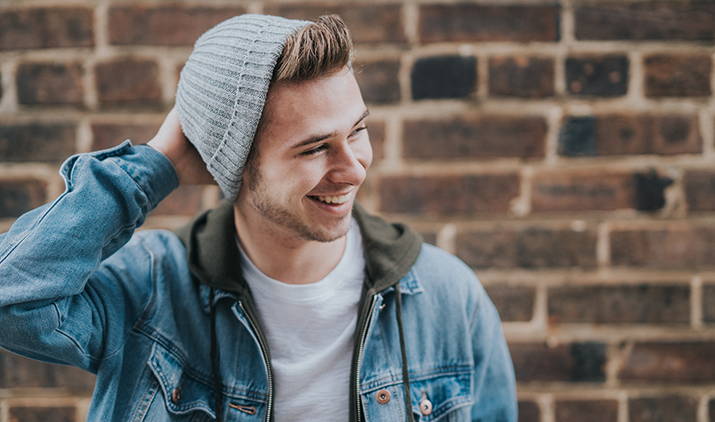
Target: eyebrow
[{"x": 317, "y": 138}]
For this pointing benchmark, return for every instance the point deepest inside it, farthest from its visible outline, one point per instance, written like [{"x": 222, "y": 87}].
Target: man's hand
[{"x": 170, "y": 141}]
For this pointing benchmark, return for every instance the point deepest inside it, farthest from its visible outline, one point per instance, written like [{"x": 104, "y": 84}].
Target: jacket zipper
[
  {"x": 356, "y": 367},
  {"x": 266, "y": 360}
]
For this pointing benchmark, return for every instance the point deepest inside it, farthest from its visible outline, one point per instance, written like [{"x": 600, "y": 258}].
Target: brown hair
[{"x": 315, "y": 50}]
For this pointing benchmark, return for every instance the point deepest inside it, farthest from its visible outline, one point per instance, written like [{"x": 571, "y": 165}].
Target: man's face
[{"x": 313, "y": 152}]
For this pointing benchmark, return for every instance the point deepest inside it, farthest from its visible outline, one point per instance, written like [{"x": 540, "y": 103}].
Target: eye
[
  {"x": 314, "y": 150},
  {"x": 360, "y": 129}
]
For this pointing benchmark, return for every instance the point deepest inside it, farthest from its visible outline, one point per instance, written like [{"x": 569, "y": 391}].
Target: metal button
[
  {"x": 425, "y": 407},
  {"x": 176, "y": 395},
  {"x": 383, "y": 396}
]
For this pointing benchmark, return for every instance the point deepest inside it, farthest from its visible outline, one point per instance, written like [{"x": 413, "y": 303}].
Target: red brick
[
  {"x": 20, "y": 372},
  {"x": 368, "y": 23},
  {"x": 42, "y": 414},
  {"x": 653, "y": 20},
  {"x": 531, "y": 247},
  {"x": 683, "y": 362},
  {"x": 378, "y": 81},
  {"x": 128, "y": 81},
  {"x": 599, "y": 76},
  {"x": 677, "y": 75},
  {"x": 376, "y": 129},
  {"x": 621, "y": 304},
  {"x": 475, "y": 22},
  {"x": 475, "y": 136},
  {"x": 571, "y": 191},
  {"x": 586, "y": 410},
  {"x": 186, "y": 200},
  {"x": 448, "y": 195},
  {"x": 699, "y": 188},
  {"x": 19, "y": 196},
  {"x": 620, "y": 134},
  {"x": 106, "y": 135},
  {"x": 576, "y": 362},
  {"x": 50, "y": 84},
  {"x": 524, "y": 77},
  {"x": 43, "y": 142},
  {"x": 680, "y": 246},
  {"x": 709, "y": 304},
  {"x": 173, "y": 25},
  {"x": 46, "y": 28},
  {"x": 514, "y": 303},
  {"x": 529, "y": 411},
  {"x": 664, "y": 408}
]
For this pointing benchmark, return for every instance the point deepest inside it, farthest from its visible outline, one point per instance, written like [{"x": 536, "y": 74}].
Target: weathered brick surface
[
  {"x": 43, "y": 142},
  {"x": 19, "y": 196},
  {"x": 598, "y": 76},
  {"x": 444, "y": 77},
  {"x": 106, "y": 135},
  {"x": 46, "y": 28},
  {"x": 128, "y": 82},
  {"x": 664, "y": 408},
  {"x": 529, "y": 411},
  {"x": 677, "y": 75},
  {"x": 652, "y": 20},
  {"x": 620, "y": 304},
  {"x": 173, "y": 25},
  {"x": 568, "y": 191},
  {"x": 378, "y": 81},
  {"x": 19, "y": 372},
  {"x": 50, "y": 84},
  {"x": 474, "y": 22},
  {"x": 622, "y": 134},
  {"x": 673, "y": 247},
  {"x": 514, "y": 303},
  {"x": 185, "y": 200},
  {"x": 586, "y": 410},
  {"x": 683, "y": 362},
  {"x": 709, "y": 303},
  {"x": 576, "y": 362},
  {"x": 433, "y": 196},
  {"x": 368, "y": 23},
  {"x": 42, "y": 414},
  {"x": 699, "y": 188},
  {"x": 474, "y": 136},
  {"x": 524, "y": 77},
  {"x": 531, "y": 247}
]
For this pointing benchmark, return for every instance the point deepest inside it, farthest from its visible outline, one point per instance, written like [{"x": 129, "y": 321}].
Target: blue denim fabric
[{"x": 78, "y": 286}]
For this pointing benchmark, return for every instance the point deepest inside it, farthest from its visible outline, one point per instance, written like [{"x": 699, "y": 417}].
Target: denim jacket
[{"x": 78, "y": 286}]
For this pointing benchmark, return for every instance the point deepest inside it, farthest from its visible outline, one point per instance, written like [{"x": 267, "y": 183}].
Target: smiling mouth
[{"x": 332, "y": 199}]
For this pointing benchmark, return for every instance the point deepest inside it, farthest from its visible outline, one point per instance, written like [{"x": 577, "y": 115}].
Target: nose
[{"x": 349, "y": 163}]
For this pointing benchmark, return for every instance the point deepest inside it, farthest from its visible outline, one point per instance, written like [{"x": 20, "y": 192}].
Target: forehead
[{"x": 295, "y": 110}]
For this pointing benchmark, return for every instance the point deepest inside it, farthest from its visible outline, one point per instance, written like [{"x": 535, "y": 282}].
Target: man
[{"x": 288, "y": 302}]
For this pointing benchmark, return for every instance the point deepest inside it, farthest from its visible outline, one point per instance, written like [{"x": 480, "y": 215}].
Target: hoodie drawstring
[
  {"x": 215, "y": 362},
  {"x": 403, "y": 351}
]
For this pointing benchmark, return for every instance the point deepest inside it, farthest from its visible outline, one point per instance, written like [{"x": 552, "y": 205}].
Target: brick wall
[{"x": 563, "y": 149}]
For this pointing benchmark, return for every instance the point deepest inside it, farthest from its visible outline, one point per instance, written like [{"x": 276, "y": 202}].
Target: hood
[{"x": 390, "y": 249}]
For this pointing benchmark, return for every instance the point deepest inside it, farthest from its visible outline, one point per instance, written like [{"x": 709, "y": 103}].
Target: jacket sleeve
[
  {"x": 494, "y": 381},
  {"x": 56, "y": 303}
]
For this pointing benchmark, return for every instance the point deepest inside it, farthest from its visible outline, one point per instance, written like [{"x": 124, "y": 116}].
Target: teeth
[{"x": 334, "y": 199}]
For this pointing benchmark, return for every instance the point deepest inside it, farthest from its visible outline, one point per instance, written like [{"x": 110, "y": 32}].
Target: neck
[{"x": 282, "y": 255}]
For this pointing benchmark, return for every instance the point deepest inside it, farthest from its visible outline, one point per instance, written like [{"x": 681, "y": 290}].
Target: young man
[{"x": 288, "y": 302}]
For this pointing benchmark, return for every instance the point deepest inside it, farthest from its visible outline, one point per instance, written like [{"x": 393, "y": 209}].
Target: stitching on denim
[{"x": 94, "y": 361}]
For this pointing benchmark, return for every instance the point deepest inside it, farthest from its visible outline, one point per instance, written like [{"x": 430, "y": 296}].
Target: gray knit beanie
[{"x": 223, "y": 87}]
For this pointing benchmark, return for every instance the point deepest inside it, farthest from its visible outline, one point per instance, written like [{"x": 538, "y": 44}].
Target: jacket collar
[{"x": 391, "y": 249}]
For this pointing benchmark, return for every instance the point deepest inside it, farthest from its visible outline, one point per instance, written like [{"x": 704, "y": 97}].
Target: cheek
[{"x": 363, "y": 152}]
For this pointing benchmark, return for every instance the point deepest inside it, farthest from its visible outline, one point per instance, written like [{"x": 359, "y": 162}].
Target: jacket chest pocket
[
  {"x": 174, "y": 395},
  {"x": 441, "y": 397}
]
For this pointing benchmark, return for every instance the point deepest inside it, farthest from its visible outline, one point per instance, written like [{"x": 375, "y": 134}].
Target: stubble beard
[{"x": 283, "y": 217}]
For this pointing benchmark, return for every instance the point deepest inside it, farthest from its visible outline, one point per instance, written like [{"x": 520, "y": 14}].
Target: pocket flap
[{"x": 442, "y": 393}]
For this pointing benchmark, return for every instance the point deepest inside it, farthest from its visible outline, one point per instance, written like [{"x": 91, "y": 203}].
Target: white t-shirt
[{"x": 310, "y": 329}]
